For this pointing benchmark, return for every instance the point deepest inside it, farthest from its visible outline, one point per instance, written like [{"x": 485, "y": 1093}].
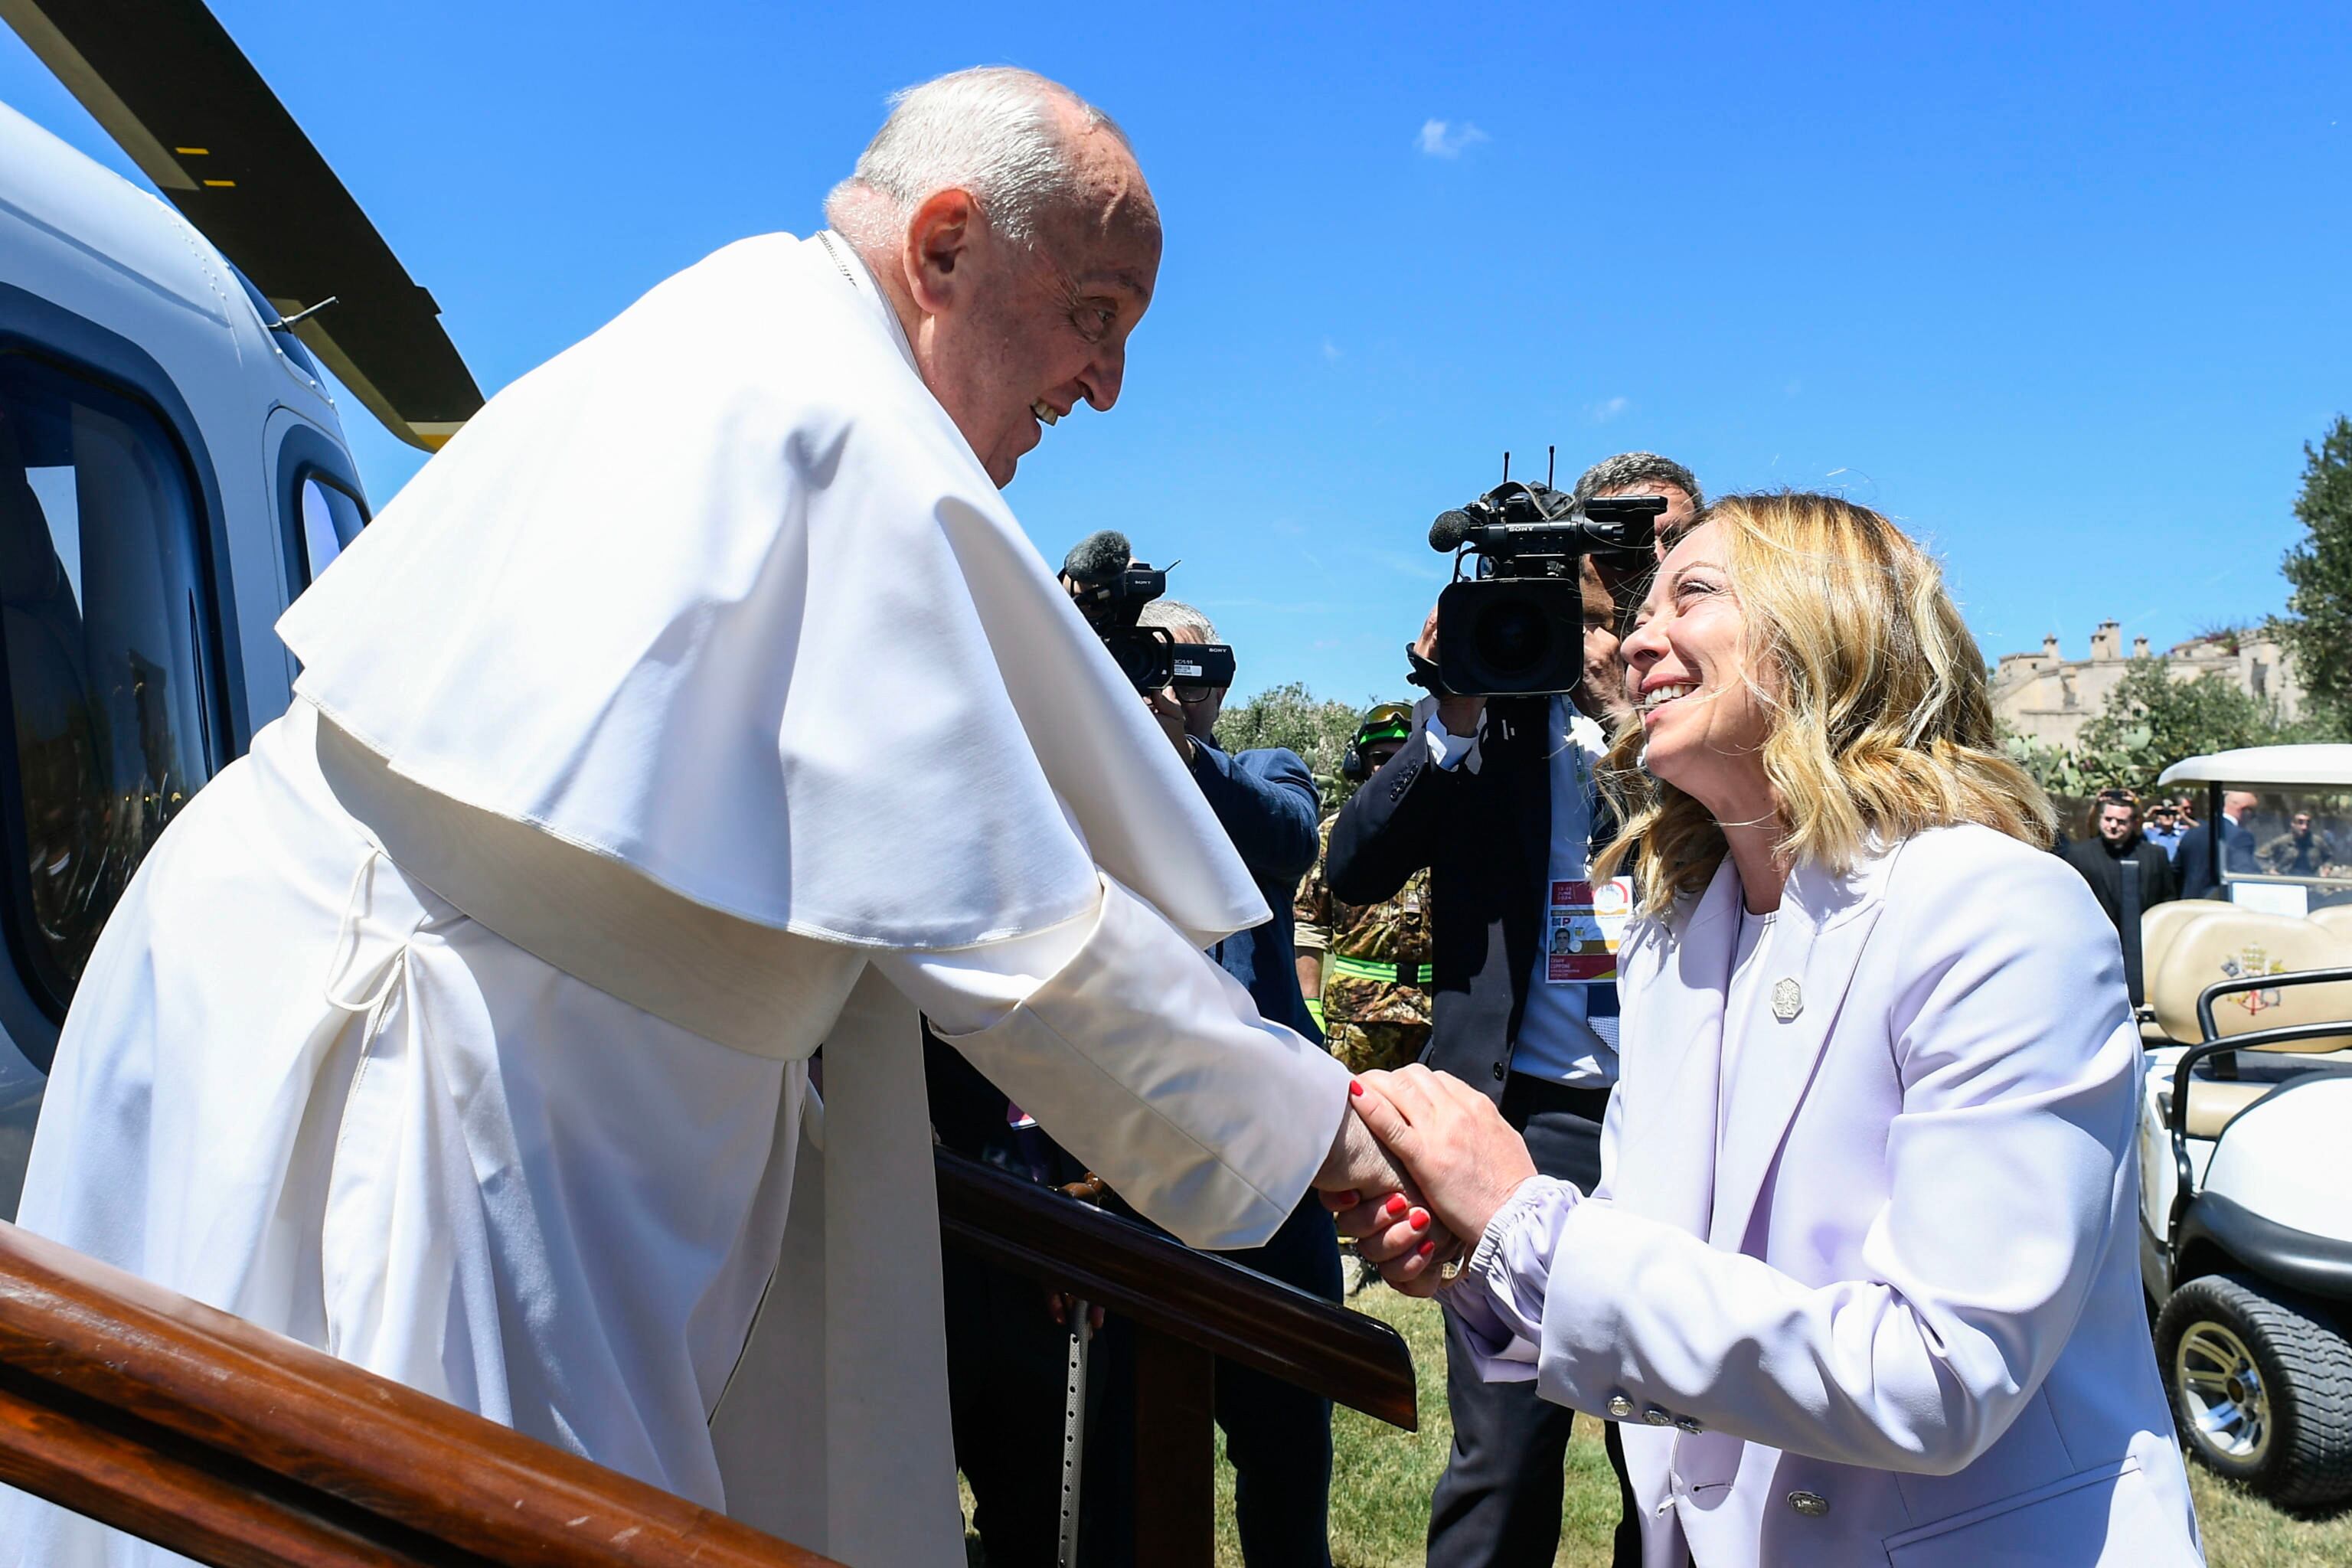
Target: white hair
[
  {"x": 1177, "y": 616},
  {"x": 993, "y": 131}
]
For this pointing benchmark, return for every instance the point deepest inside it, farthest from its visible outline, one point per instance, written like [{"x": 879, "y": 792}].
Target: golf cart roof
[{"x": 2324, "y": 766}]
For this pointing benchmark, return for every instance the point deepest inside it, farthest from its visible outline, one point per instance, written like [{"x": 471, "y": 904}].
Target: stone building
[{"x": 2049, "y": 698}]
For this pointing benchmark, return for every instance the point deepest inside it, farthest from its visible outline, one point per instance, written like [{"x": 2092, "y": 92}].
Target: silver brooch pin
[{"x": 1788, "y": 999}]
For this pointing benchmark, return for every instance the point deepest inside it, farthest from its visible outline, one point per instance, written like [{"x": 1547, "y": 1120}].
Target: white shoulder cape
[{"x": 722, "y": 595}]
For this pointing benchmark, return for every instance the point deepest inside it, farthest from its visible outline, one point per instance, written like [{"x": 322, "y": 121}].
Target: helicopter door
[{"x": 109, "y": 648}]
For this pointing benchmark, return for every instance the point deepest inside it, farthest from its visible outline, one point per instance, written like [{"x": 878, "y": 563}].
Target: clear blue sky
[{"x": 2063, "y": 288}]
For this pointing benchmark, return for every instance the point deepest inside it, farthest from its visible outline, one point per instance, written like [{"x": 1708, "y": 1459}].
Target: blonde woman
[{"x": 1859, "y": 1281}]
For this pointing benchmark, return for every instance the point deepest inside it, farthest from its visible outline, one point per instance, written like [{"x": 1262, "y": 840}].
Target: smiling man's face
[{"x": 1015, "y": 336}]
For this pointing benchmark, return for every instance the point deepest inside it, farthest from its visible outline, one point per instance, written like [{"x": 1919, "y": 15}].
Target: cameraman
[
  {"x": 1277, "y": 1436},
  {"x": 1266, "y": 801},
  {"x": 1629, "y": 474},
  {"x": 1497, "y": 798},
  {"x": 1642, "y": 474},
  {"x": 1006, "y": 1343}
]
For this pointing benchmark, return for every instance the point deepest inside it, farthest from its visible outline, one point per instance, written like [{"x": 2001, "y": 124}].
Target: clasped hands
[{"x": 1421, "y": 1163}]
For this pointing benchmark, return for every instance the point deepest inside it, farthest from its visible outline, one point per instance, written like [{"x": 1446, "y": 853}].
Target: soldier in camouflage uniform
[{"x": 1369, "y": 965}]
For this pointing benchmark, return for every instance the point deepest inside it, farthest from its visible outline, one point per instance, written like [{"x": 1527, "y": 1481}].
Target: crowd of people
[
  {"x": 2138, "y": 854},
  {"x": 1716, "y": 1040}
]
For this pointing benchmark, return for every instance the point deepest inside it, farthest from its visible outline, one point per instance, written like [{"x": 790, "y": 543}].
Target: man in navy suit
[
  {"x": 1266, "y": 801},
  {"x": 1006, "y": 1355},
  {"x": 2194, "y": 859},
  {"x": 1278, "y": 1437}
]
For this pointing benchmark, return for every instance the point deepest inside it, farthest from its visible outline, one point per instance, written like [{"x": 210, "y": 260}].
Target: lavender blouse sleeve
[{"x": 1499, "y": 1299}]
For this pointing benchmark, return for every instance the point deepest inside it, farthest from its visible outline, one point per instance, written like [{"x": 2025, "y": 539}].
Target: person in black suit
[
  {"x": 2194, "y": 860},
  {"x": 2127, "y": 875},
  {"x": 1498, "y": 799}
]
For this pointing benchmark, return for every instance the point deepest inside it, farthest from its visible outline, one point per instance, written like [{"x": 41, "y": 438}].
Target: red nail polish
[
  {"x": 1355, "y": 1087},
  {"x": 1420, "y": 1219},
  {"x": 1427, "y": 1247},
  {"x": 1396, "y": 1204}
]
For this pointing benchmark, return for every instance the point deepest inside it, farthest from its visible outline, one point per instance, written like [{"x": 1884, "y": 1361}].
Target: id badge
[{"x": 1586, "y": 921}]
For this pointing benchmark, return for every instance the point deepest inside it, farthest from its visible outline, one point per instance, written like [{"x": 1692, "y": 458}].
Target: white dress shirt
[{"x": 1559, "y": 1038}]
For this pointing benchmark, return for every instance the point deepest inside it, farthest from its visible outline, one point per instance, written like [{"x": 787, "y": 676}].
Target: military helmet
[{"x": 1384, "y": 722}]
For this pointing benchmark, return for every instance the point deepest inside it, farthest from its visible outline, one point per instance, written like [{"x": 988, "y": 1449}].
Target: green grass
[
  {"x": 1381, "y": 1478},
  {"x": 2242, "y": 1531}
]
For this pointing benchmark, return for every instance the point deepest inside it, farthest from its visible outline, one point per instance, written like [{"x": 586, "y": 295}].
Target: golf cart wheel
[{"x": 2261, "y": 1385}]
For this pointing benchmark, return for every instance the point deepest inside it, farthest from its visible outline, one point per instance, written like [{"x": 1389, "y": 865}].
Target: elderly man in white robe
[{"x": 701, "y": 704}]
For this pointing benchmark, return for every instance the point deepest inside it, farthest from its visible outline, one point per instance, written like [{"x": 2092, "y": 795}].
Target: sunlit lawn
[{"x": 1381, "y": 1478}]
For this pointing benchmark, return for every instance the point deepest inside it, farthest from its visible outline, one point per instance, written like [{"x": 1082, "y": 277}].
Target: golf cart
[{"x": 2245, "y": 1117}]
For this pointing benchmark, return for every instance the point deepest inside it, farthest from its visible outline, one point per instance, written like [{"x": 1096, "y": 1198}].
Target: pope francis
[{"x": 701, "y": 704}]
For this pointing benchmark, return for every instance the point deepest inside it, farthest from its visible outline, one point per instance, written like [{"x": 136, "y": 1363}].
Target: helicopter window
[
  {"x": 107, "y": 652},
  {"x": 331, "y": 517}
]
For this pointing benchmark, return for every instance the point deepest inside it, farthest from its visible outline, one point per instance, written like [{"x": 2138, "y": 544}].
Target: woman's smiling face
[{"x": 1703, "y": 722}]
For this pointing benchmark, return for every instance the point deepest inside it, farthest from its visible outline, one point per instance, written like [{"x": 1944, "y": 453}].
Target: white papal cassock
[{"x": 701, "y": 704}]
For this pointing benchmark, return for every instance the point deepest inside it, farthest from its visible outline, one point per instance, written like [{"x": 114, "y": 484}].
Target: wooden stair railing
[
  {"x": 242, "y": 1449},
  {"x": 1189, "y": 1309}
]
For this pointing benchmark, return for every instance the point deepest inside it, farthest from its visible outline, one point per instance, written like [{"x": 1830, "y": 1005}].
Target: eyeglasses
[{"x": 1198, "y": 693}]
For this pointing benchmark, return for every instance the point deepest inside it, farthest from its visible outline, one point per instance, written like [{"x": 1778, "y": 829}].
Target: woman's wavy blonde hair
[{"x": 1881, "y": 726}]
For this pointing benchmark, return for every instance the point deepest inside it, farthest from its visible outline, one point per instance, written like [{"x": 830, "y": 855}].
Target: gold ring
[{"x": 1451, "y": 1269}]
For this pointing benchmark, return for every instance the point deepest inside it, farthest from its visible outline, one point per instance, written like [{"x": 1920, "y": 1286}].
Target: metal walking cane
[{"x": 1073, "y": 1402}]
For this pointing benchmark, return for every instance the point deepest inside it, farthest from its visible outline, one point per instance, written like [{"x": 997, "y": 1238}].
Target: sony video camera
[
  {"x": 1110, "y": 588},
  {"x": 1516, "y": 627}
]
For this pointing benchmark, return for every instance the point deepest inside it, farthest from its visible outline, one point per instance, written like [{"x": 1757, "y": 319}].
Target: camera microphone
[
  {"x": 1098, "y": 556},
  {"x": 1450, "y": 529},
  {"x": 1110, "y": 587}
]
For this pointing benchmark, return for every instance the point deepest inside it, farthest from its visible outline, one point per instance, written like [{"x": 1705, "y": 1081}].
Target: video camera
[
  {"x": 1110, "y": 588},
  {"x": 1516, "y": 627}
]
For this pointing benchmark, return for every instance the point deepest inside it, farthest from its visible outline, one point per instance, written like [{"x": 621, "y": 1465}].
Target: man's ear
[{"x": 940, "y": 240}]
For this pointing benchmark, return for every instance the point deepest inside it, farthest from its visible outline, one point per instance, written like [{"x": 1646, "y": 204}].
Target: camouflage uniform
[
  {"x": 2285, "y": 856},
  {"x": 1371, "y": 1021}
]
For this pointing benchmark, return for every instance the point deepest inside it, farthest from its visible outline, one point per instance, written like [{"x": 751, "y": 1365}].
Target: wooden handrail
[
  {"x": 1189, "y": 1310},
  {"x": 242, "y": 1449},
  {"x": 1201, "y": 1300}
]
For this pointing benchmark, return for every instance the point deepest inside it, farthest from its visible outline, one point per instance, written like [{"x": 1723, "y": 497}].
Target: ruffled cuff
[{"x": 1500, "y": 1297}]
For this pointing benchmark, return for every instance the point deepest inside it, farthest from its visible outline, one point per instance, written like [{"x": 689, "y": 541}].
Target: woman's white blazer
[{"x": 1890, "y": 1313}]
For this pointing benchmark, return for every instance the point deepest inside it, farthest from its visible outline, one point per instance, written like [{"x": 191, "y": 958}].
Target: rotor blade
[{"x": 167, "y": 82}]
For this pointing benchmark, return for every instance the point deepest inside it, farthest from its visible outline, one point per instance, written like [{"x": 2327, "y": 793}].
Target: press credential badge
[{"x": 1587, "y": 920}]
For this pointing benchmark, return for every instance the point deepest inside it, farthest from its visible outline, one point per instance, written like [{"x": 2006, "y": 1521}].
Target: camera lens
[
  {"x": 1142, "y": 655},
  {"x": 1512, "y": 636}
]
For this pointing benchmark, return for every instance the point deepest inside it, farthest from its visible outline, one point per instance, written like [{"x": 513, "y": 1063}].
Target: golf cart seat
[
  {"x": 2160, "y": 925},
  {"x": 2157, "y": 929},
  {"x": 2213, "y": 1106},
  {"x": 2219, "y": 941},
  {"x": 2335, "y": 920},
  {"x": 2212, "y": 942}
]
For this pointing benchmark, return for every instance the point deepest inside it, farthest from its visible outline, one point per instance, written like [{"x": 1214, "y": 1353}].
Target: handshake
[{"x": 1422, "y": 1162}]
